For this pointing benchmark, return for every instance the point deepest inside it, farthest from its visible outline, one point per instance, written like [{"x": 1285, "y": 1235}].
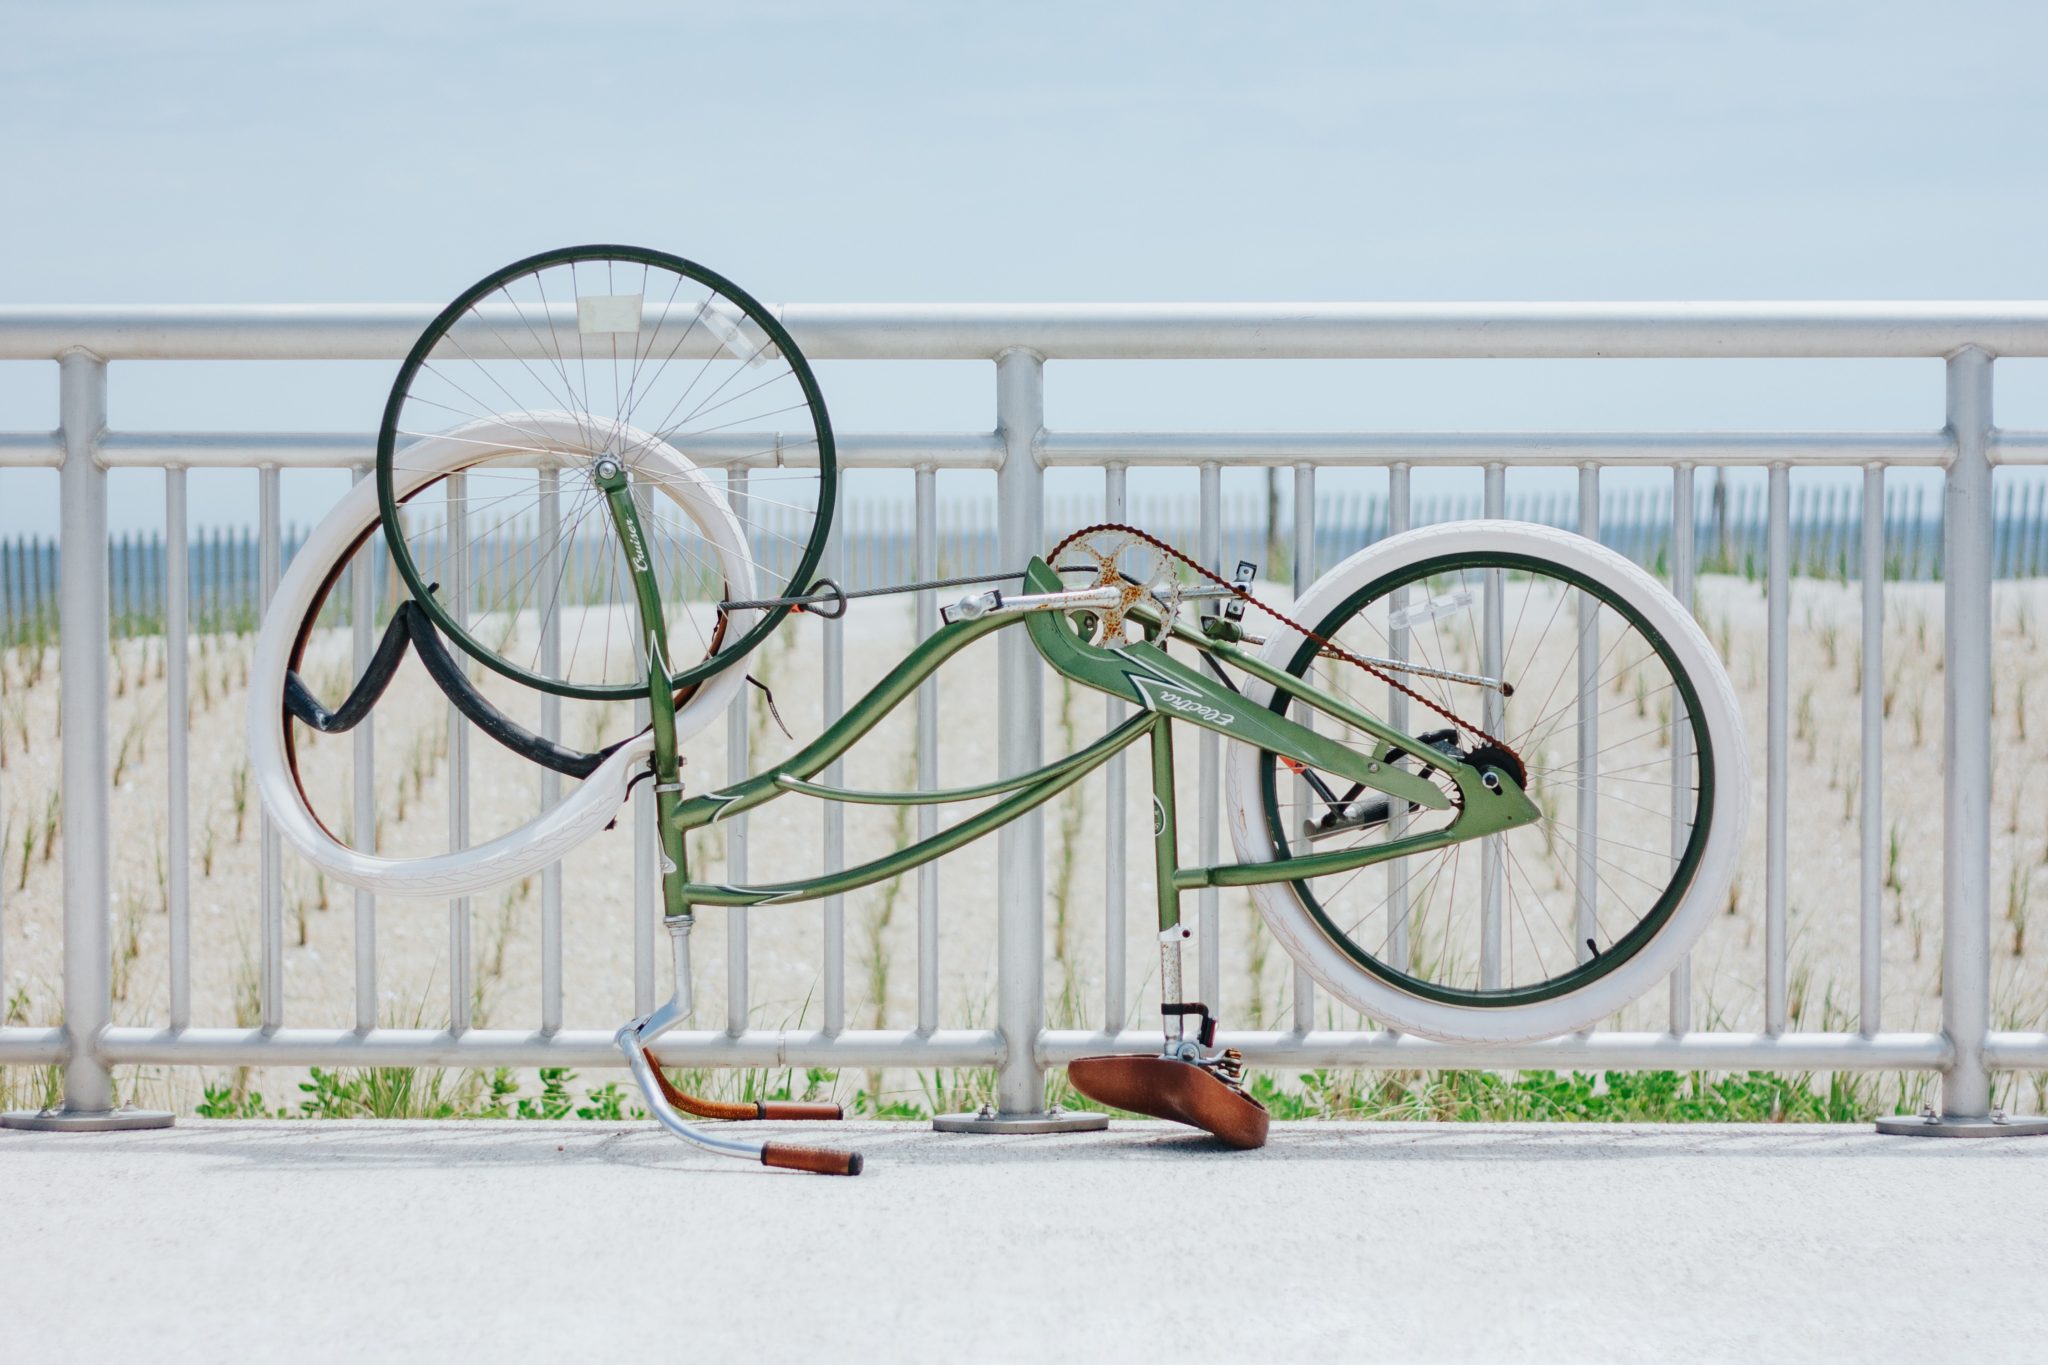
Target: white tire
[
  {"x": 596, "y": 800},
  {"x": 1336, "y": 970}
]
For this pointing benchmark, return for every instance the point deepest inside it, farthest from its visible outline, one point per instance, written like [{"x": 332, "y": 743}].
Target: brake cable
[{"x": 838, "y": 596}]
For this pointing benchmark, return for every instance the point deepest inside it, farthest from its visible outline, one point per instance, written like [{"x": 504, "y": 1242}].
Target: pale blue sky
[{"x": 370, "y": 152}]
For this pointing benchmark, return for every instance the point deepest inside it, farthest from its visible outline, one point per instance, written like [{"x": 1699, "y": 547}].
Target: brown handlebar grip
[
  {"x": 785, "y": 1109},
  {"x": 818, "y": 1160}
]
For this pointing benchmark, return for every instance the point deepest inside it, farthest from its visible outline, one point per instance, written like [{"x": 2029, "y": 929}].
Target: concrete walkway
[{"x": 590, "y": 1241}]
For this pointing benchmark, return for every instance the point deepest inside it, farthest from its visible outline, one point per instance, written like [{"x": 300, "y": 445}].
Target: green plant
[
  {"x": 1894, "y": 883},
  {"x": 554, "y": 1101},
  {"x": 1073, "y": 816},
  {"x": 239, "y": 789},
  {"x": 53, "y": 809},
  {"x": 2019, "y": 895},
  {"x": 229, "y": 1102},
  {"x": 381, "y": 1092},
  {"x": 509, "y": 906},
  {"x": 127, "y": 945},
  {"x": 133, "y": 747},
  {"x": 875, "y": 950},
  {"x": 607, "y": 1104},
  {"x": 28, "y": 1087},
  {"x": 1577, "y": 1097},
  {"x": 1257, "y": 955}
]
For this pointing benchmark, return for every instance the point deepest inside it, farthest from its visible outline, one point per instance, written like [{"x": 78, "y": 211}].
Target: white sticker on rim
[
  {"x": 1435, "y": 609},
  {"x": 725, "y": 321},
  {"x": 603, "y": 314}
]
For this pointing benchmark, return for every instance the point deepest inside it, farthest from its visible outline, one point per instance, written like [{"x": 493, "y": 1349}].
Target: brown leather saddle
[{"x": 1168, "y": 1088}]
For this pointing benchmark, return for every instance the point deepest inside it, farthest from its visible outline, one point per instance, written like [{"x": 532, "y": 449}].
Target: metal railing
[
  {"x": 1019, "y": 340},
  {"x": 879, "y": 545}
]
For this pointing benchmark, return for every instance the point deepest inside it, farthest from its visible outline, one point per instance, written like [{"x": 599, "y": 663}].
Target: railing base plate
[
  {"x": 1962, "y": 1126},
  {"x": 1054, "y": 1121},
  {"x": 85, "y": 1120}
]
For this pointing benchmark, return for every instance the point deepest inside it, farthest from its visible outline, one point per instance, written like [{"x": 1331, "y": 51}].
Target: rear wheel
[{"x": 1624, "y": 726}]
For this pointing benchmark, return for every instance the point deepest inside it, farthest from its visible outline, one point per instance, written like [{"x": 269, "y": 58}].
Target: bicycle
[{"x": 631, "y": 552}]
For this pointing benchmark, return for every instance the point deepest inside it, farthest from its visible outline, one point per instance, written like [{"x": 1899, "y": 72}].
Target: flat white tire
[{"x": 593, "y": 803}]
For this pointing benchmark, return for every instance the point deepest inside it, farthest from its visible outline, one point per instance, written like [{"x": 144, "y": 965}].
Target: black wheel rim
[
  {"x": 790, "y": 396},
  {"x": 1632, "y": 931}
]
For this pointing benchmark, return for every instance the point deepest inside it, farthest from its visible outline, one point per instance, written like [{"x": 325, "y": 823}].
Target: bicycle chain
[{"x": 1330, "y": 646}]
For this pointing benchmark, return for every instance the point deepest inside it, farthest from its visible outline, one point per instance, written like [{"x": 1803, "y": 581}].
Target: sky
[{"x": 369, "y": 152}]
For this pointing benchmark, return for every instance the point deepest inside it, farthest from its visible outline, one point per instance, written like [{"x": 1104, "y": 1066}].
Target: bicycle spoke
[
  {"x": 1633, "y": 873},
  {"x": 633, "y": 356}
]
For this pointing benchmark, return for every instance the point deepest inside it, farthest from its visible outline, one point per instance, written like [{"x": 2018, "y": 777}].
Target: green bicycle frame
[{"x": 1161, "y": 687}]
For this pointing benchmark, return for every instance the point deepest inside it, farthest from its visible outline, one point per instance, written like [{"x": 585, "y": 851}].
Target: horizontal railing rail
[
  {"x": 1020, "y": 339},
  {"x": 1119, "y": 331},
  {"x": 878, "y": 545}
]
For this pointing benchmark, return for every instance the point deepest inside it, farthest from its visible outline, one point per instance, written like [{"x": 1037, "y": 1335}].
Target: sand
[{"x": 880, "y": 922}]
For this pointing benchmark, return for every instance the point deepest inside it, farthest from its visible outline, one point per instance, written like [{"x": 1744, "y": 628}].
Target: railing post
[
  {"x": 1115, "y": 809},
  {"x": 925, "y": 544},
  {"x": 270, "y": 886},
  {"x": 1492, "y": 850},
  {"x": 82, "y": 657},
  {"x": 1304, "y": 573},
  {"x": 1682, "y": 555},
  {"x": 832, "y": 833},
  {"x": 1966, "y": 769},
  {"x": 1020, "y": 743},
  {"x": 1209, "y": 772},
  {"x": 1966, "y": 696},
  {"x": 1020, "y": 746},
  {"x": 177, "y": 755},
  {"x": 738, "y": 982},
  {"x": 1870, "y": 927},
  {"x": 1777, "y": 781}
]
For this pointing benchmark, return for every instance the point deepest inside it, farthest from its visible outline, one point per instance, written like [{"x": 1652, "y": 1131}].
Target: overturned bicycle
[{"x": 1425, "y": 740}]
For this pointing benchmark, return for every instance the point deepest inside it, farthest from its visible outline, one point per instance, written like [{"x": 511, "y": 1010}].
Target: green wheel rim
[
  {"x": 1624, "y": 947},
  {"x": 806, "y": 563}
]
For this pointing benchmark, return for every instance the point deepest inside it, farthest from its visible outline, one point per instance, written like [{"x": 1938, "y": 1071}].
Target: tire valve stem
[{"x": 1592, "y": 948}]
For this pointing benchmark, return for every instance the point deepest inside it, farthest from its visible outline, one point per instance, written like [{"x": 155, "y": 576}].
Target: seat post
[{"x": 1165, "y": 863}]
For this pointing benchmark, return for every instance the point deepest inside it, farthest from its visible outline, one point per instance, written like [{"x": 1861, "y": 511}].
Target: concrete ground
[{"x": 532, "y": 1241}]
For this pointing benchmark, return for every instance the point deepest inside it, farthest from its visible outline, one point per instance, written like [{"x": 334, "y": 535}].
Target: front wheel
[
  {"x": 1617, "y": 718},
  {"x": 583, "y": 355}
]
